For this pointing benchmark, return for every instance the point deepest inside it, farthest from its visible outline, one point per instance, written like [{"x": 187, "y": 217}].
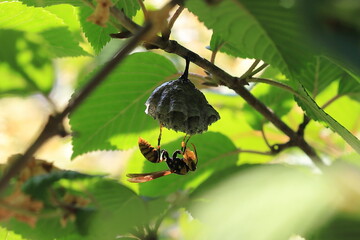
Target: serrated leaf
[
  {"x": 259, "y": 29},
  {"x": 98, "y": 36},
  {"x": 217, "y": 43},
  {"x": 316, "y": 113},
  {"x": 60, "y": 43},
  {"x": 54, "y": 33},
  {"x": 319, "y": 74},
  {"x": 349, "y": 86},
  {"x": 215, "y": 152},
  {"x": 130, "y": 7},
  {"x": 116, "y": 108}
]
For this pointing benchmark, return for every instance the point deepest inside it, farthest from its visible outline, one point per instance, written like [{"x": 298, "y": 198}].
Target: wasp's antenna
[{"x": 186, "y": 71}]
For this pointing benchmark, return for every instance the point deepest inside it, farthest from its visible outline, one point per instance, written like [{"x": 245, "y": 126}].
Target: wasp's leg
[
  {"x": 159, "y": 138},
  {"x": 164, "y": 156},
  {"x": 184, "y": 143}
]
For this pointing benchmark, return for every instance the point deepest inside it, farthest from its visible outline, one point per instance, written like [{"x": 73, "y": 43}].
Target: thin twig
[
  {"x": 259, "y": 69},
  {"x": 306, "y": 120},
  {"x": 144, "y": 10},
  {"x": 251, "y": 68},
  {"x": 276, "y": 84},
  {"x": 269, "y": 153},
  {"x": 264, "y": 136},
  {"x": 167, "y": 31},
  {"x": 215, "y": 51},
  {"x": 331, "y": 100}
]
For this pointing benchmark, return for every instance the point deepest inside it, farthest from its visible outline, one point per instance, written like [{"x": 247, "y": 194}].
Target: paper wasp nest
[{"x": 180, "y": 106}]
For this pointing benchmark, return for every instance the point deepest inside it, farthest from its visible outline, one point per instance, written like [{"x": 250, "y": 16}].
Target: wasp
[{"x": 176, "y": 164}]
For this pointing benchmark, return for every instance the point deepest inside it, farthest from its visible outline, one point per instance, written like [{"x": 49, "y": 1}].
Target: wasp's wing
[{"x": 145, "y": 177}]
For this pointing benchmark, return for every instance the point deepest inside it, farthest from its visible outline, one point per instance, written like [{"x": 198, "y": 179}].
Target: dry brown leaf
[{"x": 101, "y": 13}]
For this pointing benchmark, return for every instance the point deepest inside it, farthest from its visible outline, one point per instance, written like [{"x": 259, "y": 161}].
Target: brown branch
[{"x": 54, "y": 125}]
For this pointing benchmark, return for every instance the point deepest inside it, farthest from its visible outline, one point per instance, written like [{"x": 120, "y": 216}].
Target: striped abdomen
[{"x": 149, "y": 152}]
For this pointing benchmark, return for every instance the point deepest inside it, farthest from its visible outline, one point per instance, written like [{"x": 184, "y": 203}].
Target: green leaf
[
  {"x": 217, "y": 43},
  {"x": 8, "y": 235},
  {"x": 58, "y": 46},
  {"x": 263, "y": 197},
  {"x": 16, "y": 16},
  {"x": 342, "y": 226},
  {"x": 316, "y": 113},
  {"x": 334, "y": 28},
  {"x": 277, "y": 99},
  {"x": 259, "y": 29},
  {"x": 98, "y": 36},
  {"x": 118, "y": 210},
  {"x": 54, "y": 33},
  {"x": 114, "y": 113},
  {"x": 319, "y": 74},
  {"x": 25, "y": 66},
  {"x": 37, "y": 186},
  {"x": 349, "y": 86},
  {"x": 43, "y": 3},
  {"x": 215, "y": 152},
  {"x": 45, "y": 229}
]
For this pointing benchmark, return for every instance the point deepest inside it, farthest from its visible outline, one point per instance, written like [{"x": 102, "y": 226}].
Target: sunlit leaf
[
  {"x": 115, "y": 111},
  {"x": 118, "y": 204},
  {"x": 25, "y": 66},
  {"x": 43, "y": 3},
  {"x": 19, "y": 17},
  {"x": 319, "y": 74},
  {"x": 349, "y": 86},
  {"x": 261, "y": 203},
  {"x": 259, "y": 29},
  {"x": 8, "y": 235},
  {"x": 278, "y": 100},
  {"x": 98, "y": 36},
  {"x": 46, "y": 228}
]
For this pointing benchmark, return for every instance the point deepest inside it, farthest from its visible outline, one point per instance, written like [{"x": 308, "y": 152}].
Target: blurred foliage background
[{"x": 237, "y": 192}]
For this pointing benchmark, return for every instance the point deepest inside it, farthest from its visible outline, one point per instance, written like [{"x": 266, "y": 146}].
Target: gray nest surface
[{"x": 180, "y": 106}]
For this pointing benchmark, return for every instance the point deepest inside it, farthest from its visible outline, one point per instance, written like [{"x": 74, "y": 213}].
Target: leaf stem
[
  {"x": 263, "y": 66},
  {"x": 276, "y": 84},
  {"x": 167, "y": 31},
  {"x": 331, "y": 100},
  {"x": 251, "y": 68},
  {"x": 143, "y": 9}
]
